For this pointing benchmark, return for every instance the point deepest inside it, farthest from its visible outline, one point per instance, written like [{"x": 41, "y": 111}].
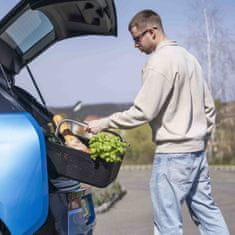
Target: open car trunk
[
  {"x": 28, "y": 30},
  {"x": 63, "y": 160}
]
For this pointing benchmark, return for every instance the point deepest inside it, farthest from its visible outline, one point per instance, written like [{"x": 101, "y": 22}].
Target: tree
[{"x": 214, "y": 46}]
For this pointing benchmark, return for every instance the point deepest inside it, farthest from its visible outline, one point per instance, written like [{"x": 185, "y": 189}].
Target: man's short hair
[{"x": 144, "y": 19}]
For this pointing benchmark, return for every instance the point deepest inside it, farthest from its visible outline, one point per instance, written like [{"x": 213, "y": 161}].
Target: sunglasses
[{"x": 138, "y": 38}]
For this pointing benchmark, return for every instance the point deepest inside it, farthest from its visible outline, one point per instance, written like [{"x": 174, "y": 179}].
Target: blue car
[{"x": 40, "y": 180}]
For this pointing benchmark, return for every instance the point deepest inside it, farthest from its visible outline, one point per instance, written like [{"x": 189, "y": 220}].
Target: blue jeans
[{"x": 179, "y": 177}]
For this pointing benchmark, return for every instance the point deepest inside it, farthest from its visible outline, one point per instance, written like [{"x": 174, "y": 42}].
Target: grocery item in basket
[
  {"x": 107, "y": 146},
  {"x": 70, "y": 139}
]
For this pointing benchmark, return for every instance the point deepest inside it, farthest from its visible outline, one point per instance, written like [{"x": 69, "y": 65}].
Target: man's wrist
[{"x": 104, "y": 123}]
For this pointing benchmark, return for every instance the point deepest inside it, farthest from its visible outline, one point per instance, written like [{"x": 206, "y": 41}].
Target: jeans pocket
[
  {"x": 159, "y": 168},
  {"x": 180, "y": 168}
]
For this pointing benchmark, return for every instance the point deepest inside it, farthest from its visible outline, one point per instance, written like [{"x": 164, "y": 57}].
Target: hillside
[
  {"x": 98, "y": 110},
  {"x": 224, "y": 110}
]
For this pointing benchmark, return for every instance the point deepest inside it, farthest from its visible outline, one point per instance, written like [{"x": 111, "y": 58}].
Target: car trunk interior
[
  {"x": 27, "y": 31},
  {"x": 62, "y": 160}
]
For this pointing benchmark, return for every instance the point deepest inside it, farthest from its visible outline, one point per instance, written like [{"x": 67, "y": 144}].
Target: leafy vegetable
[{"x": 107, "y": 147}]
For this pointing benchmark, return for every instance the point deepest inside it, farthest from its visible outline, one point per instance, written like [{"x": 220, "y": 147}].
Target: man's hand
[{"x": 94, "y": 126}]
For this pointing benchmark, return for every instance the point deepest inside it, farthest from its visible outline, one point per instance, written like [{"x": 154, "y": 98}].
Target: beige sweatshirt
[{"x": 174, "y": 99}]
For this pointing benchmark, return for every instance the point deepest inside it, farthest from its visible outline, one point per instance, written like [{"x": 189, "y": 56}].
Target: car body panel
[{"x": 23, "y": 178}]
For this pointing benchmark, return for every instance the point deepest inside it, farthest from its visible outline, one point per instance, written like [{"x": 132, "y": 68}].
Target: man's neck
[{"x": 161, "y": 38}]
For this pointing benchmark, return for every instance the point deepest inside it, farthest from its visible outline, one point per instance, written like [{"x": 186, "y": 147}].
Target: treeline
[{"x": 221, "y": 147}]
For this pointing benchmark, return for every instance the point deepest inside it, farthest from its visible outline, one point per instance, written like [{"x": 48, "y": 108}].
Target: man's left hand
[{"x": 94, "y": 126}]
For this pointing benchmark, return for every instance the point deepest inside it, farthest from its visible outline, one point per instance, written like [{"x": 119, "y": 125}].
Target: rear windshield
[{"x": 27, "y": 31}]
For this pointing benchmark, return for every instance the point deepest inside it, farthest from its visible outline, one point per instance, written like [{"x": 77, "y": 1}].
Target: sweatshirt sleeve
[
  {"x": 210, "y": 111},
  {"x": 148, "y": 102}
]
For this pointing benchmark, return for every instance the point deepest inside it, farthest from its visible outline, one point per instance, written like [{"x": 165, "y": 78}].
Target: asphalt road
[{"x": 132, "y": 215}]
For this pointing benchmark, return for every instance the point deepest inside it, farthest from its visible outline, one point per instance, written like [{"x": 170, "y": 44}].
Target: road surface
[{"x": 132, "y": 215}]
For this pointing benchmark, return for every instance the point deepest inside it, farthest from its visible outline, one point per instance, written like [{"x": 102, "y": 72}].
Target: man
[{"x": 175, "y": 101}]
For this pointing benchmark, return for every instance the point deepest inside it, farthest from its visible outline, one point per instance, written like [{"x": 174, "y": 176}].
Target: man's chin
[{"x": 144, "y": 51}]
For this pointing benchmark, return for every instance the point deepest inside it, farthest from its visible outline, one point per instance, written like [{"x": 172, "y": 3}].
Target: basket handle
[
  {"x": 71, "y": 121},
  {"x": 84, "y": 124}
]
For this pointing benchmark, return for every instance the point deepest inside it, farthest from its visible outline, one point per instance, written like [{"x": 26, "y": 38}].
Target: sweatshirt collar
[{"x": 166, "y": 43}]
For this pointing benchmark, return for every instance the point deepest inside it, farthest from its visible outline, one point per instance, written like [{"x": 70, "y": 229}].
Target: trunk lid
[{"x": 34, "y": 25}]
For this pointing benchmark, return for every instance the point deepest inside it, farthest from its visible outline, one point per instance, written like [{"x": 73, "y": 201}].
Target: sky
[{"x": 104, "y": 69}]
